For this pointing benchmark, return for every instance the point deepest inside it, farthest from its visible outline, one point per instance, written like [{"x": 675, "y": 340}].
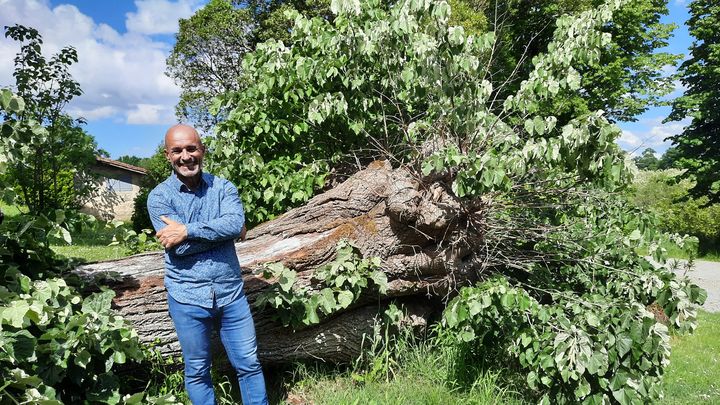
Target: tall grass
[{"x": 407, "y": 371}]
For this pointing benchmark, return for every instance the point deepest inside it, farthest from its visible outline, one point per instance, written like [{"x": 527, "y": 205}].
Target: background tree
[
  {"x": 158, "y": 169},
  {"x": 206, "y": 60},
  {"x": 57, "y": 150},
  {"x": 647, "y": 160},
  {"x": 626, "y": 80},
  {"x": 699, "y": 144},
  {"x": 134, "y": 160},
  {"x": 669, "y": 159}
]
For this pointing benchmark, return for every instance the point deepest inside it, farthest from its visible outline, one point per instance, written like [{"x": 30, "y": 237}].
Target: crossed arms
[{"x": 186, "y": 239}]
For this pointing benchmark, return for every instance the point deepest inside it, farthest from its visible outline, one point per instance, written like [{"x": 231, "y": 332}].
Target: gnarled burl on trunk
[{"x": 419, "y": 231}]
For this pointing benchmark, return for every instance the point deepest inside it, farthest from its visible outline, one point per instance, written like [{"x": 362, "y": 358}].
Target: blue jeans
[{"x": 194, "y": 324}]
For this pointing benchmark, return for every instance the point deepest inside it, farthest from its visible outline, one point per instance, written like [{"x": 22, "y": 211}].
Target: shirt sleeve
[
  {"x": 159, "y": 206},
  {"x": 228, "y": 225}
]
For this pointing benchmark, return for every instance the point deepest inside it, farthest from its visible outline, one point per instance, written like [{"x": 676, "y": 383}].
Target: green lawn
[
  {"x": 673, "y": 251},
  {"x": 89, "y": 246},
  {"x": 694, "y": 372},
  {"x": 90, "y": 253}
]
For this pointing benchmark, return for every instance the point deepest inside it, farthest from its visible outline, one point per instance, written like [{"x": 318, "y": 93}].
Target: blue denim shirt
[{"x": 204, "y": 269}]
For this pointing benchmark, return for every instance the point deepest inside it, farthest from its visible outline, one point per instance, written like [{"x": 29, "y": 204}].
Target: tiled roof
[{"x": 121, "y": 165}]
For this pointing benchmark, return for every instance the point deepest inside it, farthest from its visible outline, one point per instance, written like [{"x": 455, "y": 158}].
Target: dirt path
[{"x": 707, "y": 275}]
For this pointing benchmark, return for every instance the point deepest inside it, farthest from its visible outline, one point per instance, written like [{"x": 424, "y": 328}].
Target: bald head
[
  {"x": 185, "y": 151},
  {"x": 181, "y": 130}
]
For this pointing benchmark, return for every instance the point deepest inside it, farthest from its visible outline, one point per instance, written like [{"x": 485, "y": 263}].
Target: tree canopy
[
  {"x": 210, "y": 45},
  {"x": 624, "y": 83},
  {"x": 647, "y": 160},
  {"x": 698, "y": 146}
]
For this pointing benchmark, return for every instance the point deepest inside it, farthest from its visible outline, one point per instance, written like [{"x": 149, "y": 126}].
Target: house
[{"x": 116, "y": 186}]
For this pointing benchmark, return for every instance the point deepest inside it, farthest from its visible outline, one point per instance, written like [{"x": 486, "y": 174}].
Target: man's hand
[{"x": 173, "y": 234}]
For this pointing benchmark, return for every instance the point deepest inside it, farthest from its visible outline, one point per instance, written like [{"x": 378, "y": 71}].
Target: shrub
[{"x": 663, "y": 193}]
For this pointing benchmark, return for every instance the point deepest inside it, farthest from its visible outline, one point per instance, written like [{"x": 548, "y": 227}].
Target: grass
[
  {"x": 413, "y": 373},
  {"x": 694, "y": 373},
  {"x": 90, "y": 253},
  {"x": 675, "y": 252},
  {"x": 89, "y": 246},
  {"x": 423, "y": 375}
]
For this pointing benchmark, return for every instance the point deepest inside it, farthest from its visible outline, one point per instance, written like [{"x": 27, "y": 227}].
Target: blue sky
[{"x": 129, "y": 102}]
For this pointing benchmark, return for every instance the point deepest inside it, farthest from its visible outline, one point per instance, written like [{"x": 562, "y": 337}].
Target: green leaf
[
  {"x": 583, "y": 389},
  {"x": 83, "y": 358},
  {"x": 592, "y": 319},
  {"x": 14, "y": 314},
  {"x": 345, "y": 298},
  {"x": 287, "y": 280},
  {"x": 119, "y": 357},
  {"x": 624, "y": 343}
]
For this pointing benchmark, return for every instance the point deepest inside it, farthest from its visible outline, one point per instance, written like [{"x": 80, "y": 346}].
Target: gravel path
[{"x": 707, "y": 276}]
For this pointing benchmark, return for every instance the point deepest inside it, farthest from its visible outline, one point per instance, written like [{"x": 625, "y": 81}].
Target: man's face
[{"x": 185, "y": 152}]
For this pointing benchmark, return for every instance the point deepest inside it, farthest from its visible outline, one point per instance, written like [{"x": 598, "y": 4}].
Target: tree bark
[{"x": 420, "y": 232}]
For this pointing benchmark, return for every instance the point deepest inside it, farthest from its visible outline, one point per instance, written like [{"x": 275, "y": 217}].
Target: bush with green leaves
[
  {"x": 58, "y": 346},
  {"x": 334, "y": 286},
  {"x": 666, "y": 194},
  {"x": 133, "y": 241},
  {"x": 580, "y": 328}
]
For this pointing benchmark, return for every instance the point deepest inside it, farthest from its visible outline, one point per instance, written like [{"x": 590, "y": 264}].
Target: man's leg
[
  {"x": 193, "y": 325},
  {"x": 237, "y": 332}
]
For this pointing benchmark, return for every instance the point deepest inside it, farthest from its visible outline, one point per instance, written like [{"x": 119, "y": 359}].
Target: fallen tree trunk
[{"x": 420, "y": 233}]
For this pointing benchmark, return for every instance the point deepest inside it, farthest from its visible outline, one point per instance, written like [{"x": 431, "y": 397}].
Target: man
[{"x": 197, "y": 217}]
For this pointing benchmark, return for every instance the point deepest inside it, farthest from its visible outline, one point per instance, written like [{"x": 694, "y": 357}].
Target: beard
[{"x": 188, "y": 169}]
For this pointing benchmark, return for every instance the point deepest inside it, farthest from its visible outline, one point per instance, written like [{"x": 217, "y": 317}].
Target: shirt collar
[{"x": 179, "y": 185}]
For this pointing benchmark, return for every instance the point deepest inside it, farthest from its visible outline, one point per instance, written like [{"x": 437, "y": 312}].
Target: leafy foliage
[
  {"x": 133, "y": 241},
  {"x": 205, "y": 60},
  {"x": 399, "y": 82},
  {"x": 666, "y": 194},
  {"x": 627, "y": 78},
  {"x": 647, "y": 160},
  {"x": 58, "y": 346},
  {"x": 51, "y": 151},
  {"x": 336, "y": 286},
  {"x": 578, "y": 327},
  {"x": 330, "y": 92},
  {"x": 134, "y": 160},
  {"x": 697, "y": 145},
  {"x": 158, "y": 170}
]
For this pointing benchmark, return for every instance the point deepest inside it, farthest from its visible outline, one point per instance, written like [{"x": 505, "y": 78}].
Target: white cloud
[
  {"x": 652, "y": 133},
  {"x": 121, "y": 74},
  {"x": 659, "y": 133},
  {"x": 630, "y": 139},
  {"x": 149, "y": 114},
  {"x": 678, "y": 90},
  {"x": 93, "y": 114},
  {"x": 159, "y": 16}
]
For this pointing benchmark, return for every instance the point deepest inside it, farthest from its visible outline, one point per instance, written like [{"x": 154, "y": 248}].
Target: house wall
[{"x": 115, "y": 190}]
